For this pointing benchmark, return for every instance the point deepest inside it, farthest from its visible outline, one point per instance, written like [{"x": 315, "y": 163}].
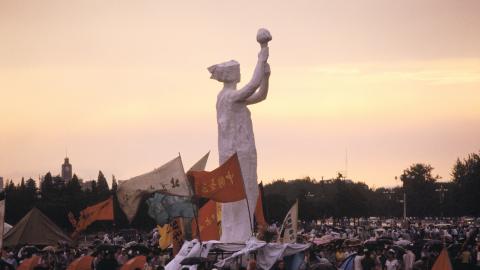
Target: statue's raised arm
[
  {"x": 261, "y": 94},
  {"x": 258, "y": 79}
]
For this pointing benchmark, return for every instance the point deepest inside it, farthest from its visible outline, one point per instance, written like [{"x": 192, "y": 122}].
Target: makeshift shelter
[
  {"x": 35, "y": 229},
  {"x": 6, "y": 227}
]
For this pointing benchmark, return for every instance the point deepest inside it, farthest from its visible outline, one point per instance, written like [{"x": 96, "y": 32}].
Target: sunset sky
[{"x": 123, "y": 85}]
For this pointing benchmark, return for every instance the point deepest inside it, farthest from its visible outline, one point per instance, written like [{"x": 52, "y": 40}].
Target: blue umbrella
[{"x": 348, "y": 263}]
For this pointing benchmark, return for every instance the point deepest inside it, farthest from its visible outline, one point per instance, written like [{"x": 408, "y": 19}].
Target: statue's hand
[
  {"x": 267, "y": 70},
  {"x": 263, "y": 54}
]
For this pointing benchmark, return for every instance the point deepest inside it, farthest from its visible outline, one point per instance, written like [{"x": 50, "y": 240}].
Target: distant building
[
  {"x": 87, "y": 185},
  {"x": 66, "y": 170},
  {"x": 1, "y": 184}
]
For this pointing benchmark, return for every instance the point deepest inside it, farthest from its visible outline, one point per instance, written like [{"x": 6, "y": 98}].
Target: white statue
[{"x": 235, "y": 134}]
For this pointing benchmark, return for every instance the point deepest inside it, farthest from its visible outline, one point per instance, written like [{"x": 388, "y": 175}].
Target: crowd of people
[
  {"x": 108, "y": 252},
  {"x": 395, "y": 246}
]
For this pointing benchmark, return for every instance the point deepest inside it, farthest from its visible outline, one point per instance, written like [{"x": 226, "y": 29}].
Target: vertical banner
[
  {"x": 177, "y": 235},
  {"x": 288, "y": 233}
]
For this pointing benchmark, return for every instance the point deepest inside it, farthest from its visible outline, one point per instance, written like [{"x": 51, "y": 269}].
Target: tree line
[{"x": 426, "y": 197}]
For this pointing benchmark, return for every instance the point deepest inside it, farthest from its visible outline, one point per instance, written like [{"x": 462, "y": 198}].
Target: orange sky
[{"x": 123, "y": 85}]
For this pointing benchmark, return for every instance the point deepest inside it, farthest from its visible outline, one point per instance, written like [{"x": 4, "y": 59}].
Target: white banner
[
  {"x": 289, "y": 226},
  {"x": 168, "y": 179}
]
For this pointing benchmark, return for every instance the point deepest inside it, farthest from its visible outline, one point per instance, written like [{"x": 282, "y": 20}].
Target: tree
[
  {"x": 102, "y": 185},
  {"x": 46, "y": 185},
  {"x": 466, "y": 177},
  {"x": 419, "y": 185},
  {"x": 114, "y": 184}
]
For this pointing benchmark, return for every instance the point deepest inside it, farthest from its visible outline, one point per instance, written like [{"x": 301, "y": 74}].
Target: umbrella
[
  {"x": 29, "y": 249},
  {"x": 82, "y": 263},
  {"x": 129, "y": 244},
  {"x": 352, "y": 242},
  {"x": 326, "y": 239},
  {"x": 403, "y": 243},
  {"x": 371, "y": 244},
  {"x": 142, "y": 249},
  {"x": 134, "y": 263},
  {"x": 348, "y": 263},
  {"x": 29, "y": 264},
  {"x": 384, "y": 241},
  {"x": 49, "y": 249},
  {"x": 194, "y": 261}
]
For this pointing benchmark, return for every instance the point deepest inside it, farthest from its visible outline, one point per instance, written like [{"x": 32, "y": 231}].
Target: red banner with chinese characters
[
  {"x": 224, "y": 184},
  {"x": 208, "y": 222}
]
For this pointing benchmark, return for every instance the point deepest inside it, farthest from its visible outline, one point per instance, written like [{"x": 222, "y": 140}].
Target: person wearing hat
[{"x": 391, "y": 263}]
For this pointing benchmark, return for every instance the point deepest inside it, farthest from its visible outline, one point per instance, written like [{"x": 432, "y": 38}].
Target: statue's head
[{"x": 226, "y": 72}]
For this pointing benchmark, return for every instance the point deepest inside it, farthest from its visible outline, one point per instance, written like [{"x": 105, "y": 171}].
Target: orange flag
[
  {"x": 443, "y": 261},
  {"x": 99, "y": 211},
  {"x": 82, "y": 263},
  {"x": 29, "y": 264},
  {"x": 137, "y": 262},
  {"x": 224, "y": 184},
  {"x": 208, "y": 222},
  {"x": 259, "y": 215}
]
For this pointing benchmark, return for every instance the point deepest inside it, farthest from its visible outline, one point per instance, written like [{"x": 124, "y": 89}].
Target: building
[
  {"x": 66, "y": 170},
  {"x": 87, "y": 185},
  {"x": 1, "y": 184}
]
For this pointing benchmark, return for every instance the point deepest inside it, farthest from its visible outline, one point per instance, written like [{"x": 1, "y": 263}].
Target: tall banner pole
[
  {"x": 246, "y": 198},
  {"x": 191, "y": 188}
]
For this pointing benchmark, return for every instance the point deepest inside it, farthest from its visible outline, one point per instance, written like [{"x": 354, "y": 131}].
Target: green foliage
[
  {"x": 336, "y": 197},
  {"x": 420, "y": 185},
  {"x": 466, "y": 176}
]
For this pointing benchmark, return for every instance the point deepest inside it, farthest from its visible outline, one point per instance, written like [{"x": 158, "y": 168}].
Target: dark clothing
[
  {"x": 107, "y": 264},
  {"x": 368, "y": 263}
]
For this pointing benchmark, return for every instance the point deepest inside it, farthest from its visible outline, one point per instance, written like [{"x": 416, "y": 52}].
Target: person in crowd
[
  {"x": 122, "y": 256},
  {"x": 465, "y": 257},
  {"x": 392, "y": 262},
  {"x": 408, "y": 258},
  {"x": 340, "y": 255},
  {"x": 368, "y": 262},
  {"x": 357, "y": 262},
  {"x": 108, "y": 262}
]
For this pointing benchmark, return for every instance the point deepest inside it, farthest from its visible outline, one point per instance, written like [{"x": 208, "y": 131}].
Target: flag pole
[
  {"x": 191, "y": 191},
  {"x": 246, "y": 198}
]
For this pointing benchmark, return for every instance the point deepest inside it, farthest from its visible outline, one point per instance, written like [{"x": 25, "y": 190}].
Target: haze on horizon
[{"x": 123, "y": 85}]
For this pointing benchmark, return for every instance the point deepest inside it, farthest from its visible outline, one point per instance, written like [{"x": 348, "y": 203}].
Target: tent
[
  {"x": 35, "y": 229},
  {"x": 6, "y": 227}
]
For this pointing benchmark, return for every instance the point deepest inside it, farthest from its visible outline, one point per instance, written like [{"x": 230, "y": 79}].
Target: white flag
[
  {"x": 289, "y": 226},
  {"x": 168, "y": 179},
  {"x": 2, "y": 221},
  {"x": 201, "y": 164}
]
